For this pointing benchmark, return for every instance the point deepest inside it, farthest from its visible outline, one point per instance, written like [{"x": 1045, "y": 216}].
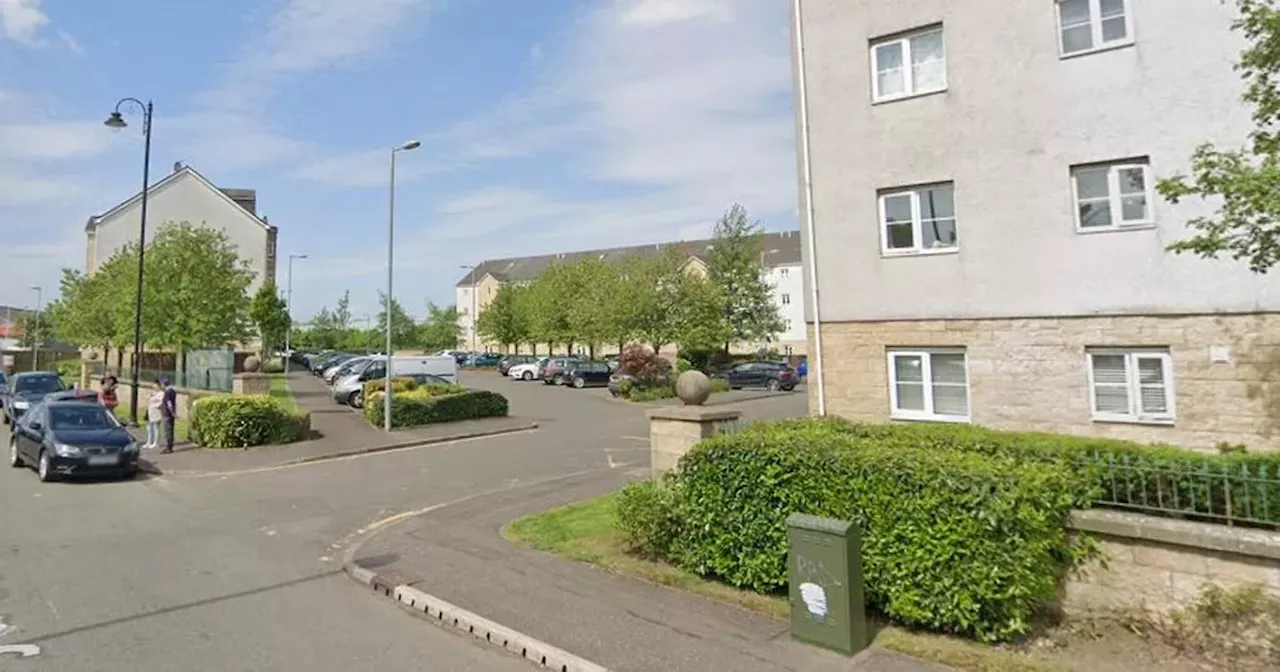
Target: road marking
[
  {"x": 636, "y": 438},
  {"x": 22, "y": 650}
]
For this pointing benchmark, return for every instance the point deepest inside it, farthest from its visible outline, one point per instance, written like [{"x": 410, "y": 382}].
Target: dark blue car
[
  {"x": 72, "y": 438},
  {"x": 25, "y": 390}
]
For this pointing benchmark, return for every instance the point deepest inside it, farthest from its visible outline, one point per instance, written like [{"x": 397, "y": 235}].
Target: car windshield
[
  {"x": 80, "y": 417},
  {"x": 37, "y": 384}
]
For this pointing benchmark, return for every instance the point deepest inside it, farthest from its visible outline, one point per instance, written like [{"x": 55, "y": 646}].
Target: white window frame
[
  {"x": 786, "y": 299},
  {"x": 926, "y": 370},
  {"x": 1095, "y": 28},
  {"x": 1118, "y": 223},
  {"x": 908, "y": 77},
  {"x": 916, "y": 222},
  {"x": 1133, "y": 382}
]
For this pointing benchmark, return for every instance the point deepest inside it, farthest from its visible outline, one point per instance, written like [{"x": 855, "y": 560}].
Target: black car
[
  {"x": 512, "y": 360},
  {"x": 73, "y": 438},
  {"x": 25, "y": 390},
  {"x": 4, "y": 386},
  {"x": 587, "y": 374},
  {"x": 770, "y": 375},
  {"x": 553, "y": 372},
  {"x": 320, "y": 364}
]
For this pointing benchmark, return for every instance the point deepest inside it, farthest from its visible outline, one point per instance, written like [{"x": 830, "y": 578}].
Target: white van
[{"x": 347, "y": 390}]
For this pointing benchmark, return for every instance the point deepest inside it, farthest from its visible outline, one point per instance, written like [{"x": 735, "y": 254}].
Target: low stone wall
[{"x": 1163, "y": 564}]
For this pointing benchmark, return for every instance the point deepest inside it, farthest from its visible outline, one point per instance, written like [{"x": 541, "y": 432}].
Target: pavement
[{"x": 243, "y": 572}]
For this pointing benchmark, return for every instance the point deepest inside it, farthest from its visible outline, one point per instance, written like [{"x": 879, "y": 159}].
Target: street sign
[{"x": 824, "y": 570}]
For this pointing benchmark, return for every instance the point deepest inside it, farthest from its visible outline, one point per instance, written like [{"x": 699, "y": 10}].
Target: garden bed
[{"x": 418, "y": 405}]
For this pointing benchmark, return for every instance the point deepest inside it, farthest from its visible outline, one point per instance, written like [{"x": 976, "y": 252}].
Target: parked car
[
  {"x": 323, "y": 362},
  {"x": 553, "y": 372},
  {"x": 504, "y": 366},
  {"x": 28, "y": 389},
  {"x": 485, "y": 360},
  {"x": 770, "y": 375},
  {"x": 72, "y": 438},
  {"x": 587, "y": 374},
  {"x": 350, "y": 390},
  {"x": 4, "y": 385},
  {"x": 72, "y": 395},
  {"x": 334, "y": 373},
  {"x": 528, "y": 370}
]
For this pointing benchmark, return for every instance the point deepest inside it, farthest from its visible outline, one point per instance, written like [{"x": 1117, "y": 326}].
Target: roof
[
  {"x": 779, "y": 249},
  {"x": 243, "y": 200}
]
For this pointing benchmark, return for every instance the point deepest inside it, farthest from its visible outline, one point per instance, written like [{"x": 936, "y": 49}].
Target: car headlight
[
  {"x": 21, "y": 405},
  {"x": 64, "y": 450},
  {"x": 131, "y": 447}
]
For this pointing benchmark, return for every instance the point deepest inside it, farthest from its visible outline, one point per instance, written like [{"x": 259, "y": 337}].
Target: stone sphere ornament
[
  {"x": 252, "y": 364},
  {"x": 693, "y": 388}
]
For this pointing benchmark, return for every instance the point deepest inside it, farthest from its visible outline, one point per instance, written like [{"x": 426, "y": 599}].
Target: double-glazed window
[
  {"x": 918, "y": 221},
  {"x": 1112, "y": 195},
  {"x": 908, "y": 65},
  {"x": 1131, "y": 385},
  {"x": 929, "y": 384},
  {"x": 1090, "y": 25}
]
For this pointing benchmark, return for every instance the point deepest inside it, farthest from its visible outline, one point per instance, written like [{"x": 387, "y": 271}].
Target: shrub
[
  {"x": 952, "y": 540},
  {"x": 273, "y": 365},
  {"x": 236, "y": 421},
  {"x": 399, "y": 385},
  {"x": 646, "y": 517},
  {"x": 643, "y": 364},
  {"x": 664, "y": 390},
  {"x": 683, "y": 365},
  {"x": 68, "y": 369},
  {"x": 432, "y": 404}
]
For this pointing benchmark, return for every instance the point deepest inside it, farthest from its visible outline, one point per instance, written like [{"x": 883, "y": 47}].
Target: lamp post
[
  {"x": 474, "y": 317},
  {"x": 116, "y": 122},
  {"x": 35, "y": 338},
  {"x": 391, "y": 233},
  {"x": 288, "y": 308}
]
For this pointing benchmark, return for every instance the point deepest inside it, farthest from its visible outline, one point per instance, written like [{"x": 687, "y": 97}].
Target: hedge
[
  {"x": 242, "y": 421},
  {"x": 399, "y": 385},
  {"x": 666, "y": 390},
  {"x": 952, "y": 540},
  {"x": 426, "y": 405}
]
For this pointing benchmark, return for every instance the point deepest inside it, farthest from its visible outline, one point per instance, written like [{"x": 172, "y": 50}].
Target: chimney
[
  {"x": 177, "y": 165},
  {"x": 245, "y": 198}
]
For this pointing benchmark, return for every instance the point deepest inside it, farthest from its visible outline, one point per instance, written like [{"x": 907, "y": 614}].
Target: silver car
[{"x": 335, "y": 373}]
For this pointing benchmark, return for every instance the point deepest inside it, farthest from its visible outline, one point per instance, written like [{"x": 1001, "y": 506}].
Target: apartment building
[
  {"x": 780, "y": 258},
  {"x": 978, "y": 179}
]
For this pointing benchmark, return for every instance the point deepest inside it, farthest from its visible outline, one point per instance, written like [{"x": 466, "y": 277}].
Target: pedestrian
[
  {"x": 802, "y": 371},
  {"x": 107, "y": 396},
  {"x": 168, "y": 413},
  {"x": 155, "y": 416}
]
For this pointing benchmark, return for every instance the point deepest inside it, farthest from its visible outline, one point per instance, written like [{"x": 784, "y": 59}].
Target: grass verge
[
  {"x": 181, "y": 426},
  {"x": 280, "y": 390},
  {"x": 586, "y": 532}
]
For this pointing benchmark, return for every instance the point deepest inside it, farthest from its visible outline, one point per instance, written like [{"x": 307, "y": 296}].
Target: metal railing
[
  {"x": 1227, "y": 494},
  {"x": 212, "y": 379}
]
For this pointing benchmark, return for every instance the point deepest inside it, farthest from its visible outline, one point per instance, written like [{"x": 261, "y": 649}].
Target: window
[
  {"x": 919, "y": 221},
  {"x": 1112, "y": 196},
  {"x": 909, "y": 65},
  {"x": 929, "y": 385},
  {"x": 1131, "y": 386},
  {"x": 786, "y": 299},
  {"x": 1090, "y": 25},
  {"x": 784, "y": 272}
]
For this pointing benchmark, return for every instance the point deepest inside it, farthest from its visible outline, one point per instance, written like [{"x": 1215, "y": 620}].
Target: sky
[{"x": 546, "y": 126}]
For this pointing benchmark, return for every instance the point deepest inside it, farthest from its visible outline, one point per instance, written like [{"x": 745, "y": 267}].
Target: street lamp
[
  {"x": 473, "y": 306},
  {"x": 391, "y": 233},
  {"x": 288, "y": 303},
  {"x": 35, "y": 338},
  {"x": 116, "y": 122}
]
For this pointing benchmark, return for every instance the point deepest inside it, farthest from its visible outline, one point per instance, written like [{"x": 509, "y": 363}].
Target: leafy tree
[
  {"x": 699, "y": 315},
  {"x": 270, "y": 316},
  {"x": 404, "y": 332},
  {"x": 549, "y": 295},
  {"x": 36, "y": 328},
  {"x": 507, "y": 319},
  {"x": 323, "y": 332},
  {"x": 1246, "y": 226},
  {"x": 653, "y": 288},
  {"x": 736, "y": 267},
  {"x": 440, "y": 331},
  {"x": 342, "y": 314},
  {"x": 84, "y": 313},
  {"x": 196, "y": 284},
  {"x": 591, "y": 288}
]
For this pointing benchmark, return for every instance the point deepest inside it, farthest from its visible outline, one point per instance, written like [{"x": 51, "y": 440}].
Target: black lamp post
[{"x": 117, "y": 122}]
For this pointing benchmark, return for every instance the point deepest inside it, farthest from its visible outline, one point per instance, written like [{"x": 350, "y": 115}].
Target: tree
[
  {"x": 1247, "y": 224},
  {"x": 549, "y": 295},
  {"x": 440, "y": 331},
  {"x": 36, "y": 329},
  {"x": 324, "y": 333},
  {"x": 342, "y": 314},
  {"x": 196, "y": 289},
  {"x": 404, "y": 332},
  {"x": 653, "y": 287},
  {"x": 85, "y": 313},
  {"x": 507, "y": 320},
  {"x": 270, "y": 317},
  {"x": 737, "y": 269},
  {"x": 591, "y": 293}
]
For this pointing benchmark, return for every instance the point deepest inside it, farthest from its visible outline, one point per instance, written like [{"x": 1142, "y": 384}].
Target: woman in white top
[{"x": 154, "y": 417}]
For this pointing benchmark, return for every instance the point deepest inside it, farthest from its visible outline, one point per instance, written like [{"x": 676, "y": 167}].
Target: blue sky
[{"x": 547, "y": 125}]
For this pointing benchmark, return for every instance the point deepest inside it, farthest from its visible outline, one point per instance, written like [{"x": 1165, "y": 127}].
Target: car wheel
[
  {"x": 357, "y": 399},
  {"x": 774, "y": 386},
  {"x": 528, "y": 375},
  {"x": 579, "y": 383},
  {"x": 15, "y": 460},
  {"x": 45, "y": 467}
]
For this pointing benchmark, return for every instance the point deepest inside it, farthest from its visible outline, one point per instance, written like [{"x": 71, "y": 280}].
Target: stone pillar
[
  {"x": 673, "y": 430},
  {"x": 251, "y": 383}
]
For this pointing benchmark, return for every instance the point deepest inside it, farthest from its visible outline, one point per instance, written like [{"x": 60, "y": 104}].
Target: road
[{"x": 243, "y": 573}]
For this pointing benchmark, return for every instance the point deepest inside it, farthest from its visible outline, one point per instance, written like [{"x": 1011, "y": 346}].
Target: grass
[
  {"x": 586, "y": 532},
  {"x": 280, "y": 390},
  {"x": 181, "y": 426}
]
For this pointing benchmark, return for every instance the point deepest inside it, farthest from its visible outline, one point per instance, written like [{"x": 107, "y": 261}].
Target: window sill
[
  {"x": 892, "y": 254},
  {"x": 1097, "y": 50},
  {"x": 1151, "y": 422},
  {"x": 950, "y": 419},
  {"x": 1145, "y": 226},
  {"x": 906, "y": 96}
]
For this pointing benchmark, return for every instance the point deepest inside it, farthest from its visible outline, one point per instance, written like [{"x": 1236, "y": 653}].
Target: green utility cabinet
[{"x": 824, "y": 570}]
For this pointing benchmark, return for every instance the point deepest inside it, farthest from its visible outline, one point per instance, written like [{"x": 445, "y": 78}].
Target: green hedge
[
  {"x": 644, "y": 393},
  {"x": 399, "y": 385},
  {"x": 953, "y": 541},
  {"x": 241, "y": 421},
  {"x": 273, "y": 365},
  {"x": 68, "y": 368},
  {"x": 432, "y": 404}
]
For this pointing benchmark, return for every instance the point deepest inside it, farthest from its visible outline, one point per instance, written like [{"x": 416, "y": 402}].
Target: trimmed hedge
[
  {"x": 242, "y": 421},
  {"x": 666, "y": 390},
  {"x": 399, "y": 385},
  {"x": 954, "y": 541},
  {"x": 432, "y": 404}
]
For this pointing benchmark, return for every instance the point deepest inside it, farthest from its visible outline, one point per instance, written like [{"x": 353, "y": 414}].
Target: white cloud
[
  {"x": 19, "y": 190},
  {"x": 55, "y": 140},
  {"x": 659, "y": 12},
  {"x": 71, "y": 42},
  {"x": 22, "y": 20}
]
